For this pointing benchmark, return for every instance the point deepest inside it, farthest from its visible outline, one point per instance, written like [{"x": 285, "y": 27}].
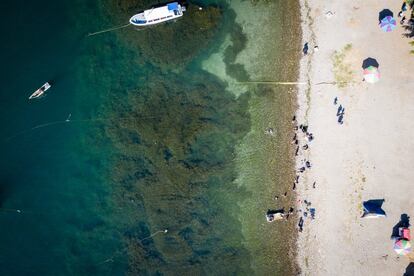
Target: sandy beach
[{"x": 370, "y": 155}]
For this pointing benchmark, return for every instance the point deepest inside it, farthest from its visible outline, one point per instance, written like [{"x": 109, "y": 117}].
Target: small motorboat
[
  {"x": 39, "y": 92},
  {"x": 158, "y": 15}
]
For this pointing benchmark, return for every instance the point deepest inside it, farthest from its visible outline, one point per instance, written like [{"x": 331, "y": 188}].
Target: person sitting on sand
[
  {"x": 340, "y": 119},
  {"x": 404, "y": 6},
  {"x": 305, "y": 129}
]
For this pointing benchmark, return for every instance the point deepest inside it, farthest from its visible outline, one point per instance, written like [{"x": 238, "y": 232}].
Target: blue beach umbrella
[{"x": 388, "y": 24}]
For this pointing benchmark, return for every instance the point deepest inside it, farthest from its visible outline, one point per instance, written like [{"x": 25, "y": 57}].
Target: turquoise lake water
[{"x": 150, "y": 145}]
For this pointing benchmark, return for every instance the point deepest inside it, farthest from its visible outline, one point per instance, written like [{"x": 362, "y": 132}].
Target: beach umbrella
[
  {"x": 371, "y": 74},
  {"x": 402, "y": 247},
  {"x": 388, "y": 24}
]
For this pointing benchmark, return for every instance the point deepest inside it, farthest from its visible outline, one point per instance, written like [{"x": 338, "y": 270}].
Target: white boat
[
  {"x": 158, "y": 15},
  {"x": 39, "y": 92}
]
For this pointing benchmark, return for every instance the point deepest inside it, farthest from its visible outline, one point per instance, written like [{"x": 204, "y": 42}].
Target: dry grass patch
[{"x": 342, "y": 68}]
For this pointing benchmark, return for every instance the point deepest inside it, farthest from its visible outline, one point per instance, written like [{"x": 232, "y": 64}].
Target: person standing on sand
[{"x": 300, "y": 224}]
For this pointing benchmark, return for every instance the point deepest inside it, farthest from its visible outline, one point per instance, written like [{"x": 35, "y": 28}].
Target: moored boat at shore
[
  {"x": 158, "y": 15},
  {"x": 39, "y": 92}
]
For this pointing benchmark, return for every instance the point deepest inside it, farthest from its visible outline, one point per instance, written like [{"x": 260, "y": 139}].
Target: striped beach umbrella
[
  {"x": 402, "y": 247},
  {"x": 371, "y": 74},
  {"x": 388, "y": 24}
]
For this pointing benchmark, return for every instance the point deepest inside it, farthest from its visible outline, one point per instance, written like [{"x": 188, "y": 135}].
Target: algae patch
[{"x": 175, "y": 43}]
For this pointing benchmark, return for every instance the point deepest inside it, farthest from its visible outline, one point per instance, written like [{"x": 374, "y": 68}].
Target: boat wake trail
[
  {"x": 70, "y": 121},
  {"x": 67, "y": 121},
  {"x": 110, "y": 29},
  {"x": 122, "y": 251}
]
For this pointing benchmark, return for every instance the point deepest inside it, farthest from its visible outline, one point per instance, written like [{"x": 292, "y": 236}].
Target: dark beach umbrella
[
  {"x": 384, "y": 13},
  {"x": 409, "y": 270},
  {"x": 370, "y": 62}
]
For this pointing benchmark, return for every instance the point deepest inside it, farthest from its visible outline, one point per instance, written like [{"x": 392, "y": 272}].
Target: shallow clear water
[{"x": 154, "y": 142}]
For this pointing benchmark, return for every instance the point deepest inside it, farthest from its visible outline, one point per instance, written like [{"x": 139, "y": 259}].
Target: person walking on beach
[
  {"x": 338, "y": 112},
  {"x": 305, "y": 48}
]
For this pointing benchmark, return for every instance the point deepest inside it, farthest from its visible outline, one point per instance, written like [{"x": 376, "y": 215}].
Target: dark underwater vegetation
[{"x": 154, "y": 143}]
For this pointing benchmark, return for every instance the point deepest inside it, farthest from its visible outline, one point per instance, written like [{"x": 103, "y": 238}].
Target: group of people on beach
[
  {"x": 401, "y": 15},
  {"x": 305, "y": 49},
  {"x": 340, "y": 112},
  {"x": 306, "y": 211}
]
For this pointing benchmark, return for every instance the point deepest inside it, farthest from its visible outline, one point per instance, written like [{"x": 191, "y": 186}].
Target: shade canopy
[
  {"x": 371, "y": 74},
  {"x": 372, "y": 208},
  {"x": 388, "y": 24}
]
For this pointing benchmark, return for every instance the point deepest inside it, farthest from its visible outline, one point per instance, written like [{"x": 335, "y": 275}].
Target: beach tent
[{"x": 372, "y": 208}]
